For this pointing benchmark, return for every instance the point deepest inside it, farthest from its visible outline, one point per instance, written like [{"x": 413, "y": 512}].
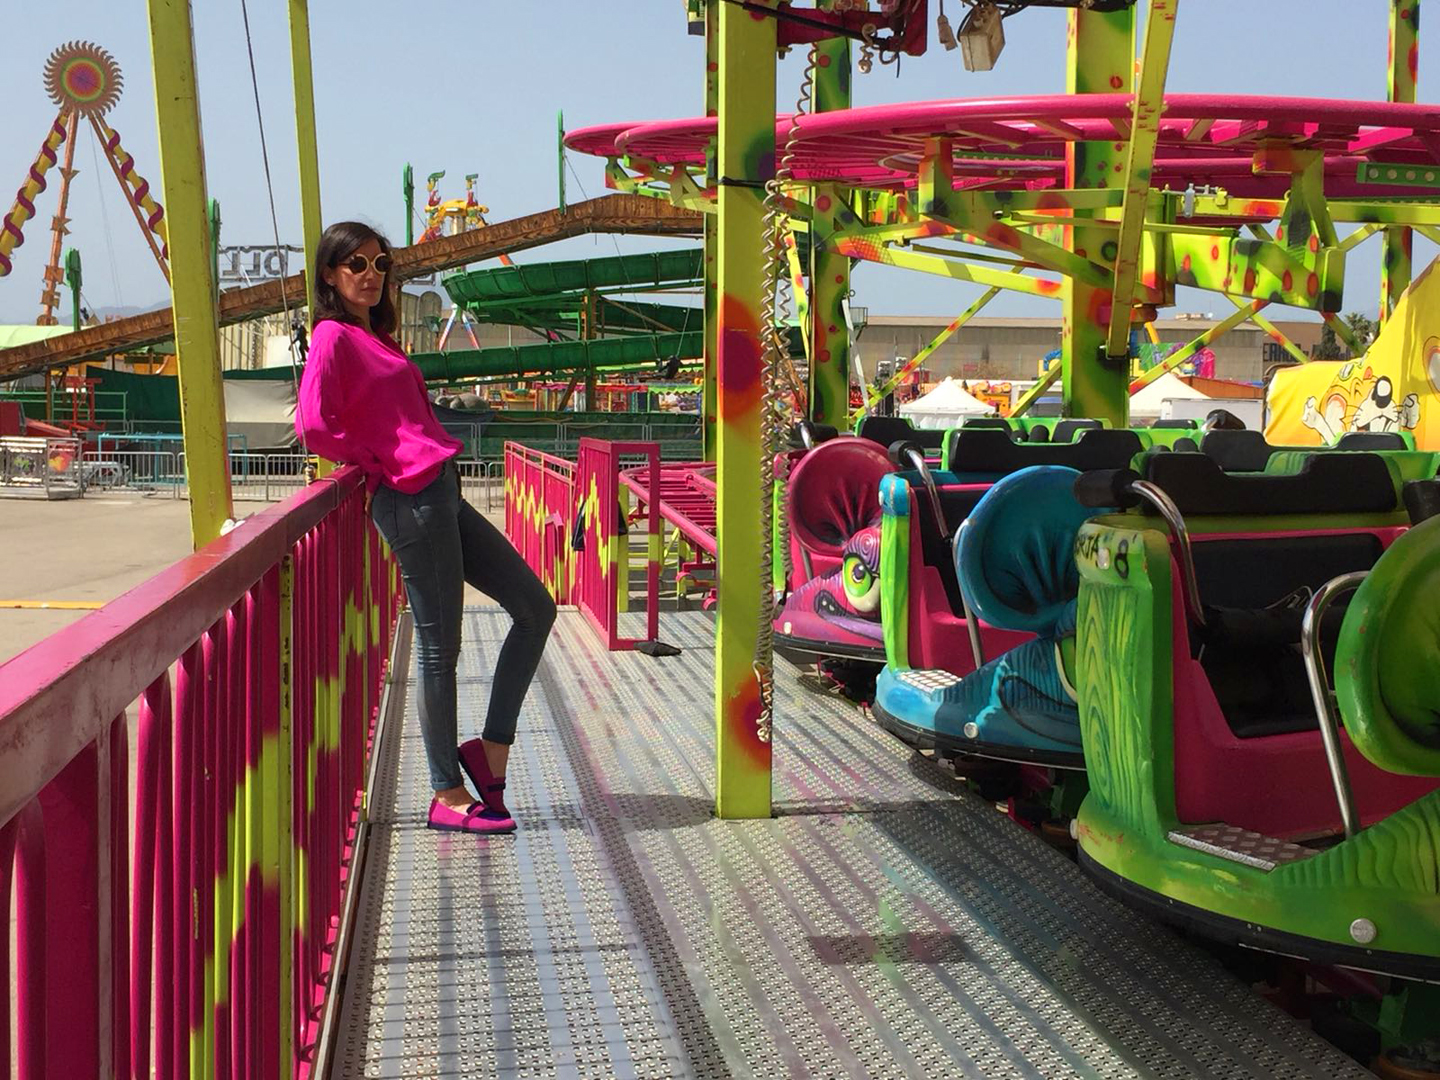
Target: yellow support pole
[
  {"x": 192, "y": 284},
  {"x": 746, "y": 160},
  {"x": 311, "y": 223}
]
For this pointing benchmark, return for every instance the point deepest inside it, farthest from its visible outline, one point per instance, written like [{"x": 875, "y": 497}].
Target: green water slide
[{"x": 635, "y": 352}]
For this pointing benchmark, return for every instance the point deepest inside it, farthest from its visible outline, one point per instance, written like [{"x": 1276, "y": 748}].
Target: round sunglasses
[{"x": 357, "y": 264}]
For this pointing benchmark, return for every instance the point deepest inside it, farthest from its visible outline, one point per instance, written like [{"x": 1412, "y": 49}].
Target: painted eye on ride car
[{"x": 862, "y": 586}]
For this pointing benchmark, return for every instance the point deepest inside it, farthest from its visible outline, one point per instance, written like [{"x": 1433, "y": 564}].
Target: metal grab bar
[
  {"x": 1166, "y": 508},
  {"x": 1324, "y": 694},
  {"x": 972, "y": 625}
]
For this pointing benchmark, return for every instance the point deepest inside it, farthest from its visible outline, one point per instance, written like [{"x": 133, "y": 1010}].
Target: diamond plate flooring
[{"x": 883, "y": 923}]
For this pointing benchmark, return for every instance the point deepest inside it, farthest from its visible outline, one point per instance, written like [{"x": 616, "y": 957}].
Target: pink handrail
[{"x": 249, "y": 779}]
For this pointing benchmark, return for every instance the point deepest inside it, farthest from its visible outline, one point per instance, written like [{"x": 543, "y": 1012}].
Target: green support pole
[
  {"x": 192, "y": 292},
  {"x": 407, "y": 186},
  {"x": 709, "y": 400},
  {"x": 215, "y": 245},
  {"x": 746, "y": 161},
  {"x": 829, "y": 394},
  {"x": 73, "y": 279},
  {"x": 1404, "y": 60},
  {"x": 560, "y": 155},
  {"x": 1145, "y": 113},
  {"x": 312, "y": 225},
  {"x": 1101, "y": 60}
]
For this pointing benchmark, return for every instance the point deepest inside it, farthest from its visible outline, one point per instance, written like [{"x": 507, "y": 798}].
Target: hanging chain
[{"x": 774, "y": 325}]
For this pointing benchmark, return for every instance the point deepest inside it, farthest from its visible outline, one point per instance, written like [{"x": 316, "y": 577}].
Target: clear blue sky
[{"x": 474, "y": 87}]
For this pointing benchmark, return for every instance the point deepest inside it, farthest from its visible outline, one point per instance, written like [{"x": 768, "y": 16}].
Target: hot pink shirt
[{"x": 362, "y": 401}]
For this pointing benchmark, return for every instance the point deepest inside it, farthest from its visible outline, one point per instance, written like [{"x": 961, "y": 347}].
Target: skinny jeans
[{"x": 441, "y": 543}]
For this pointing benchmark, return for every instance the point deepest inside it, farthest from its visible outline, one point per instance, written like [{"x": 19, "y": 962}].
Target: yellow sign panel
[{"x": 1394, "y": 387}]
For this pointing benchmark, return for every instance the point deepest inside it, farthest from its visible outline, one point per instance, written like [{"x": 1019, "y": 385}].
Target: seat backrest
[
  {"x": 885, "y": 430},
  {"x": 1176, "y": 422},
  {"x": 1325, "y": 484},
  {"x": 1371, "y": 440},
  {"x": 988, "y": 455},
  {"x": 1066, "y": 430},
  {"x": 1237, "y": 451},
  {"x": 1387, "y": 683},
  {"x": 998, "y": 422},
  {"x": 1038, "y": 434},
  {"x": 1016, "y": 555}
]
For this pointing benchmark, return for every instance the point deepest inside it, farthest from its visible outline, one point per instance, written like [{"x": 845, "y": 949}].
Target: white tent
[
  {"x": 1149, "y": 402},
  {"x": 945, "y": 406}
]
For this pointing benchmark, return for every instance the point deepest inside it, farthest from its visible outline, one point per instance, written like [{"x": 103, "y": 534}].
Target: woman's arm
[{"x": 320, "y": 414}]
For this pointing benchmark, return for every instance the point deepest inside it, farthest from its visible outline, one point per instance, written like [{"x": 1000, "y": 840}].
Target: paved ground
[
  {"x": 91, "y": 549},
  {"x": 95, "y": 549}
]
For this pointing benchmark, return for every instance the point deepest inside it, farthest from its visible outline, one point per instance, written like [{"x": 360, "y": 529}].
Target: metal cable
[
  {"x": 275, "y": 225},
  {"x": 774, "y": 317}
]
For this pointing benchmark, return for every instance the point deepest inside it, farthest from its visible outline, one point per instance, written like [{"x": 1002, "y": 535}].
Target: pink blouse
[{"x": 362, "y": 401}]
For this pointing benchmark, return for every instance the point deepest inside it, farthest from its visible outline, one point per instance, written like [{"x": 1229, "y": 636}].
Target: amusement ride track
[{"x": 609, "y": 213}]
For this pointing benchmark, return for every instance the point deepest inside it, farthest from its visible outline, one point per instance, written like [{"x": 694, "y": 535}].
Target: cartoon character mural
[
  {"x": 1391, "y": 389},
  {"x": 1358, "y": 399},
  {"x": 847, "y": 600}
]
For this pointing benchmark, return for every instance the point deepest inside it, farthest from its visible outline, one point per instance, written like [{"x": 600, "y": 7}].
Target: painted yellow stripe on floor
[{"x": 53, "y": 605}]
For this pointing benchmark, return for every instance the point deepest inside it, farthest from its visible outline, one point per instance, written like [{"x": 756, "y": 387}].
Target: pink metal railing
[
  {"x": 539, "y": 509},
  {"x": 546, "y": 496},
  {"x": 602, "y": 568},
  {"x": 207, "y": 950}
]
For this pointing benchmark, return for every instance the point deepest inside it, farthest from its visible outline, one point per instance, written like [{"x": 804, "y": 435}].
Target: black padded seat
[
  {"x": 1328, "y": 484},
  {"x": 1371, "y": 440},
  {"x": 997, "y": 422},
  {"x": 1038, "y": 434},
  {"x": 935, "y": 550},
  {"x": 993, "y": 454},
  {"x": 1066, "y": 430},
  {"x": 1237, "y": 451},
  {"x": 888, "y": 430},
  {"x": 1185, "y": 445},
  {"x": 1254, "y": 590},
  {"x": 1188, "y": 425},
  {"x": 819, "y": 432}
]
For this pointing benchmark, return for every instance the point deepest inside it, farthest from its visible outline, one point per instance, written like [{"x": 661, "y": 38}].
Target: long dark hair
[{"x": 339, "y": 242}]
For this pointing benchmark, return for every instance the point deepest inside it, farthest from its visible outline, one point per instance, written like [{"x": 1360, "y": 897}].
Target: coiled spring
[{"x": 774, "y": 319}]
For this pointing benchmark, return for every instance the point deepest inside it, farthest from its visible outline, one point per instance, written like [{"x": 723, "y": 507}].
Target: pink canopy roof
[{"x": 1020, "y": 142}]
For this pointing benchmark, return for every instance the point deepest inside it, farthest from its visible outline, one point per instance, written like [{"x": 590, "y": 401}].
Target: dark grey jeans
[{"x": 442, "y": 542}]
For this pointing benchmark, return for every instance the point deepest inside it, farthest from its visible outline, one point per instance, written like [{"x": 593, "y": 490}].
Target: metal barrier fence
[
  {"x": 41, "y": 466},
  {"x": 134, "y": 470},
  {"x": 208, "y": 949},
  {"x": 539, "y": 507},
  {"x": 253, "y": 476},
  {"x": 480, "y": 480}
]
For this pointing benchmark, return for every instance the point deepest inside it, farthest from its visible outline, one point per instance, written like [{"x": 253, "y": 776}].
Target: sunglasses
[{"x": 358, "y": 264}]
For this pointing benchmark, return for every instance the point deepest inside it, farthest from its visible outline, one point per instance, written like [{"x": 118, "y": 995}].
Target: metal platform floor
[{"x": 883, "y": 923}]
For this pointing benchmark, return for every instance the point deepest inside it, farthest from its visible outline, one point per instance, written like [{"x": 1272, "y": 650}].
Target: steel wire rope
[
  {"x": 105, "y": 225},
  {"x": 275, "y": 226},
  {"x": 774, "y": 313}
]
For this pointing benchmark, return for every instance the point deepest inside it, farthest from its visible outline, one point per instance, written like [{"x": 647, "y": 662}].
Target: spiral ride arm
[
  {"x": 11, "y": 234},
  {"x": 149, "y": 214}
]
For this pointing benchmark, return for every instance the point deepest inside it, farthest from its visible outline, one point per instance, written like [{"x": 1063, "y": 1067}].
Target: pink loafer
[
  {"x": 478, "y": 819},
  {"x": 477, "y": 767}
]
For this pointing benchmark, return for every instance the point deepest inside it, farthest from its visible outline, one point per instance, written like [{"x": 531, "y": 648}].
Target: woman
[{"x": 362, "y": 401}]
